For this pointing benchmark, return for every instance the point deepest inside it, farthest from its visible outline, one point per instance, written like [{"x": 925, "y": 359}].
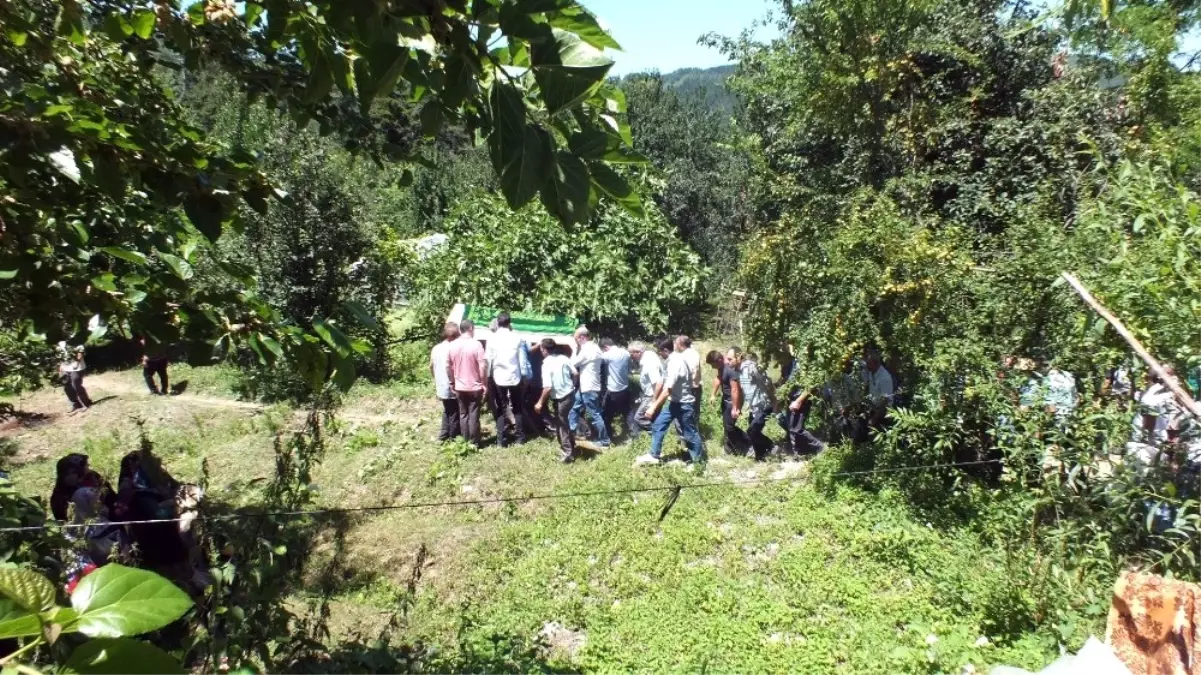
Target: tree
[
  {"x": 705, "y": 191},
  {"x": 625, "y": 275},
  {"x": 109, "y": 192}
]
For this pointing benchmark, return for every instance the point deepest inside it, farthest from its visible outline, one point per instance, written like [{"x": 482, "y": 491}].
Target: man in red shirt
[{"x": 468, "y": 377}]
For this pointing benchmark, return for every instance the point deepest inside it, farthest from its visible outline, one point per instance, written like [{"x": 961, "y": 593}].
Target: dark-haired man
[
  {"x": 588, "y": 363},
  {"x": 468, "y": 371},
  {"x": 674, "y": 404},
  {"x": 617, "y": 383},
  {"x": 506, "y": 361},
  {"x": 558, "y": 386},
  {"x": 725, "y": 382},
  {"x": 440, "y": 367}
]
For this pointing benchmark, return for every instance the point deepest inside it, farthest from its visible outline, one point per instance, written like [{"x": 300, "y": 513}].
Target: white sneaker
[{"x": 646, "y": 460}]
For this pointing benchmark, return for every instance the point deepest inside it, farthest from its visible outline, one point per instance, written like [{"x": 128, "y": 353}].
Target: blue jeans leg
[
  {"x": 659, "y": 429},
  {"x": 686, "y": 413},
  {"x": 573, "y": 420},
  {"x": 592, "y": 405}
]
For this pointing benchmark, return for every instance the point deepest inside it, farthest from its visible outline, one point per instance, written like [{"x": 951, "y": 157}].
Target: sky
[{"x": 661, "y": 34}]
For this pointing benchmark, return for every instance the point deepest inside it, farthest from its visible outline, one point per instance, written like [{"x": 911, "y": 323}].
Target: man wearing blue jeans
[
  {"x": 588, "y": 362},
  {"x": 677, "y": 385}
]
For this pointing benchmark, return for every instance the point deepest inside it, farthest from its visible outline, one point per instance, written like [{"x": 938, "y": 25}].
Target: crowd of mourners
[
  {"x": 600, "y": 391},
  {"x": 535, "y": 388},
  {"x": 161, "y": 509}
]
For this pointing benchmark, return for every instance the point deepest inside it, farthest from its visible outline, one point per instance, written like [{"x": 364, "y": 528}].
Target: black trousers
[
  {"x": 561, "y": 414},
  {"x": 800, "y": 441},
  {"x": 73, "y": 387},
  {"x": 510, "y": 398},
  {"x": 734, "y": 439},
  {"x": 450, "y": 420},
  {"x": 617, "y": 404},
  {"x": 469, "y": 415},
  {"x": 754, "y": 430},
  {"x": 154, "y": 367}
]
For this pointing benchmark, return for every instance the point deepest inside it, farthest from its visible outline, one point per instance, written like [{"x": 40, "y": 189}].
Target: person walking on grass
[
  {"x": 617, "y": 384},
  {"x": 440, "y": 367},
  {"x": 71, "y": 368},
  {"x": 558, "y": 386},
  {"x": 154, "y": 362},
  {"x": 468, "y": 371},
  {"x": 506, "y": 362},
  {"x": 675, "y": 402},
  {"x": 692, "y": 357},
  {"x": 588, "y": 363},
  {"x": 725, "y": 383},
  {"x": 758, "y": 400},
  {"x": 650, "y": 379}
]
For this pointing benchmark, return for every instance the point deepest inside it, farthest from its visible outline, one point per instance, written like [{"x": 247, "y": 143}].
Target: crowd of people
[
  {"x": 535, "y": 388},
  {"x": 145, "y": 492}
]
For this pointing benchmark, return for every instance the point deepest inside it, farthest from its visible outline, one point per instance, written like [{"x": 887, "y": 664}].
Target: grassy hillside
[{"x": 788, "y": 575}]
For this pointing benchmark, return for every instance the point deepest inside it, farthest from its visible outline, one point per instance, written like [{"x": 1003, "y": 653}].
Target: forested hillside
[{"x": 285, "y": 200}]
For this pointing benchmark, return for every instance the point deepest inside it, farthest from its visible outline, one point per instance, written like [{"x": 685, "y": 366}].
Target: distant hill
[{"x": 710, "y": 81}]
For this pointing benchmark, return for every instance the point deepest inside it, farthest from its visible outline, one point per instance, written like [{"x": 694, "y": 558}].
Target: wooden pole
[{"x": 1156, "y": 367}]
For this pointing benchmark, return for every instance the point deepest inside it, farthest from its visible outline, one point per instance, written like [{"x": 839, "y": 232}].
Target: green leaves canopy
[{"x": 104, "y": 179}]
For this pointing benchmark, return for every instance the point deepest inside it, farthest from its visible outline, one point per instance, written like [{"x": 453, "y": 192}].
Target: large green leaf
[
  {"x": 16, "y": 621},
  {"x": 617, "y": 188},
  {"x": 596, "y": 144},
  {"x": 519, "y": 151},
  {"x": 581, "y": 22},
  {"x": 181, "y": 267},
  {"x": 361, "y": 314},
  {"x": 567, "y": 69},
  {"x": 143, "y": 23},
  {"x": 333, "y": 336},
  {"x": 118, "y": 601},
  {"x": 26, "y": 588},
  {"x": 565, "y": 192},
  {"x": 103, "y": 656}
]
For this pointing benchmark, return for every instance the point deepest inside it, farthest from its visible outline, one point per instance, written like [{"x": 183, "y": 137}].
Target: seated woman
[
  {"x": 71, "y": 474},
  {"x": 145, "y": 492}
]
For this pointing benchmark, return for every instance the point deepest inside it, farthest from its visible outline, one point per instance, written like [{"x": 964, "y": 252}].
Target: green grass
[{"x": 767, "y": 578}]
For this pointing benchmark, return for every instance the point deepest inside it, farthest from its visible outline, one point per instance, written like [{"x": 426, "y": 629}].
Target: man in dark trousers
[
  {"x": 154, "y": 362},
  {"x": 725, "y": 382},
  {"x": 71, "y": 369},
  {"x": 440, "y": 367}
]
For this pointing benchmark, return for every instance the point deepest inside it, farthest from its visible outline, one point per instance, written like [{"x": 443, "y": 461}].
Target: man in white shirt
[
  {"x": 617, "y": 383},
  {"x": 440, "y": 367},
  {"x": 879, "y": 387},
  {"x": 588, "y": 363},
  {"x": 692, "y": 357},
  {"x": 71, "y": 368},
  {"x": 1157, "y": 422},
  {"x": 506, "y": 361},
  {"x": 678, "y": 387},
  {"x": 558, "y": 385},
  {"x": 650, "y": 378}
]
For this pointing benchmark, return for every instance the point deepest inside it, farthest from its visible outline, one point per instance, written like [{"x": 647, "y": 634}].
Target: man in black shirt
[
  {"x": 726, "y": 379},
  {"x": 154, "y": 362}
]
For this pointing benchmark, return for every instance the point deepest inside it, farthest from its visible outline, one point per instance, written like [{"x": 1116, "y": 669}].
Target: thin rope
[{"x": 491, "y": 500}]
